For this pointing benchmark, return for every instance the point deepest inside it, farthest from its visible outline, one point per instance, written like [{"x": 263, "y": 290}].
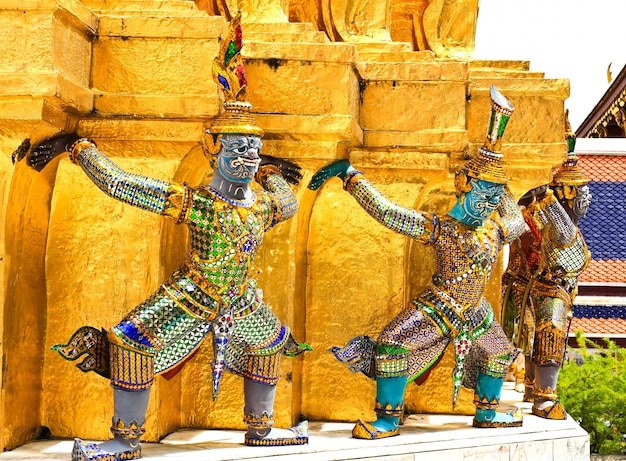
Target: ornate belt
[
  {"x": 226, "y": 294},
  {"x": 563, "y": 291}
]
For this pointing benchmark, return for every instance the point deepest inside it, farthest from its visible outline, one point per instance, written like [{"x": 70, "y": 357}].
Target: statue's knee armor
[
  {"x": 263, "y": 369},
  {"x": 549, "y": 346},
  {"x": 497, "y": 366},
  {"x": 131, "y": 370},
  {"x": 391, "y": 361},
  {"x": 550, "y": 332}
]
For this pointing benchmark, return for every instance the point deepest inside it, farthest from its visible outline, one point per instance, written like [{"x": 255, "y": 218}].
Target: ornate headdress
[
  {"x": 230, "y": 76},
  {"x": 487, "y": 163},
  {"x": 568, "y": 174}
]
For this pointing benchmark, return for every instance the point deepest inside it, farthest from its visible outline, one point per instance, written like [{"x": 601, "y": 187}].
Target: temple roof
[
  {"x": 599, "y": 327},
  {"x": 607, "y": 118},
  {"x": 601, "y": 149}
]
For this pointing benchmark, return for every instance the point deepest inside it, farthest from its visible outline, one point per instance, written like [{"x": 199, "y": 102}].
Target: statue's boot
[
  {"x": 529, "y": 379},
  {"x": 546, "y": 404},
  {"x": 128, "y": 420},
  {"x": 389, "y": 406},
  {"x": 259, "y": 416},
  {"x": 487, "y": 400}
]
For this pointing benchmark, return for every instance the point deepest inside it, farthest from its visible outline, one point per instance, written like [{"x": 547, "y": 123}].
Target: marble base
[{"x": 422, "y": 437}]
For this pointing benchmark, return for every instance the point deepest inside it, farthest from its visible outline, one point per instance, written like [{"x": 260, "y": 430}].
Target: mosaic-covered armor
[
  {"x": 452, "y": 308},
  {"x": 541, "y": 281},
  {"x": 545, "y": 262},
  {"x": 211, "y": 289}
]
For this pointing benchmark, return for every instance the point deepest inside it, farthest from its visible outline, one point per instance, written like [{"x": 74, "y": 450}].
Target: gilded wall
[{"x": 390, "y": 85}]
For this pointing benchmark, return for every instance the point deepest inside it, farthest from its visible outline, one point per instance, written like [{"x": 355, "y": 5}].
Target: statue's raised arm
[
  {"x": 509, "y": 217},
  {"x": 155, "y": 195},
  {"x": 405, "y": 221}
]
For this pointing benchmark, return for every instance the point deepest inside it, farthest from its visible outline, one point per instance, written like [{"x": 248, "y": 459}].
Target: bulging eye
[{"x": 241, "y": 149}]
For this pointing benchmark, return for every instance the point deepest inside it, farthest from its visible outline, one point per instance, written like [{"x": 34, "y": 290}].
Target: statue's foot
[
  {"x": 492, "y": 418},
  {"x": 113, "y": 450},
  {"x": 376, "y": 430},
  {"x": 296, "y": 435},
  {"x": 549, "y": 410}
]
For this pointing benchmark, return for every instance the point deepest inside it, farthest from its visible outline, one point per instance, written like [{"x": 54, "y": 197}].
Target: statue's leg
[
  {"x": 529, "y": 378},
  {"x": 137, "y": 346},
  {"x": 129, "y": 417},
  {"x": 254, "y": 351},
  {"x": 546, "y": 404},
  {"x": 391, "y": 364},
  {"x": 132, "y": 374},
  {"x": 519, "y": 372},
  {"x": 411, "y": 334},
  {"x": 525, "y": 343},
  {"x": 495, "y": 347},
  {"x": 487, "y": 400},
  {"x": 259, "y": 416},
  {"x": 548, "y": 351}
]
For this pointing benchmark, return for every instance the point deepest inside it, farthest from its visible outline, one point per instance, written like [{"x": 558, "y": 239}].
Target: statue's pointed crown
[
  {"x": 487, "y": 163},
  {"x": 230, "y": 76},
  {"x": 568, "y": 173}
]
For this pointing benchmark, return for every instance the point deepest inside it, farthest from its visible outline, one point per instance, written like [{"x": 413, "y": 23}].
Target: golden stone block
[{"x": 413, "y": 106}]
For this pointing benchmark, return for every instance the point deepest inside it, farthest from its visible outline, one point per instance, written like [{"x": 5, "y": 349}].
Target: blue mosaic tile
[{"x": 599, "y": 312}]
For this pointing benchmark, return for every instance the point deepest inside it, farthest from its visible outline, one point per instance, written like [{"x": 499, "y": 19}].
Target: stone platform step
[{"x": 422, "y": 437}]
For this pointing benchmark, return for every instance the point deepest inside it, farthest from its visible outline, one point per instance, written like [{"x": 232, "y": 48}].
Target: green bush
[{"x": 594, "y": 394}]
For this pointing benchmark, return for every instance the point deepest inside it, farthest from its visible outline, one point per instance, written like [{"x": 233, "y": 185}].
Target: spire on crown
[
  {"x": 568, "y": 174},
  {"x": 230, "y": 76},
  {"x": 487, "y": 163}
]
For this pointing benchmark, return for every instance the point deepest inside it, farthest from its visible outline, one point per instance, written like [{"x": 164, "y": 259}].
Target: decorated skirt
[{"x": 163, "y": 331}]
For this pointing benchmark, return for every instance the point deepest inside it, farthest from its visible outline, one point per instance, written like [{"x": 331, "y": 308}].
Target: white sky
[{"x": 574, "y": 39}]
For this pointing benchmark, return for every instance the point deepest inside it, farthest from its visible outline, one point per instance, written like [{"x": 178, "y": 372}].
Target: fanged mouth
[{"x": 245, "y": 162}]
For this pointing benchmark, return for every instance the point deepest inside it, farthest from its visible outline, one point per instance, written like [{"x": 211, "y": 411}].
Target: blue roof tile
[{"x": 604, "y": 227}]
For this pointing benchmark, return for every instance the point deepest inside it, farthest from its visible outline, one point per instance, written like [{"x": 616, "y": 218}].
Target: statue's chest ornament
[
  {"x": 242, "y": 228},
  {"x": 479, "y": 249},
  {"x": 476, "y": 255}
]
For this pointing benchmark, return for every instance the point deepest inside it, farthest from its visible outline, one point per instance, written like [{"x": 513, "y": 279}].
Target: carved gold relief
[
  {"x": 450, "y": 26},
  {"x": 446, "y": 27}
]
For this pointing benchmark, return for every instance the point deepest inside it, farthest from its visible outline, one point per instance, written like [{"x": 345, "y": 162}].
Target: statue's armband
[
  {"x": 511, "y": 222},
  {"x": 177, "y": 202}
]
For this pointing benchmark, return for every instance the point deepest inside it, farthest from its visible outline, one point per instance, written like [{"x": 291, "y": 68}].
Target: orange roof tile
[
  {"x": 599, "y": 326},
  {"x": 604, "y": 271},
  {"x": 603, "y": 167}
]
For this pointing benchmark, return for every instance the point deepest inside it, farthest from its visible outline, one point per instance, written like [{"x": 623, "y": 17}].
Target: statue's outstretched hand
[
  {"x": 539, "y": 192},
  {"x": 20, "y": 152},
  {"x": 339, "y": 168},
  {"x": 49, "y": 148},
  {"x": 289, "y": 170}
]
